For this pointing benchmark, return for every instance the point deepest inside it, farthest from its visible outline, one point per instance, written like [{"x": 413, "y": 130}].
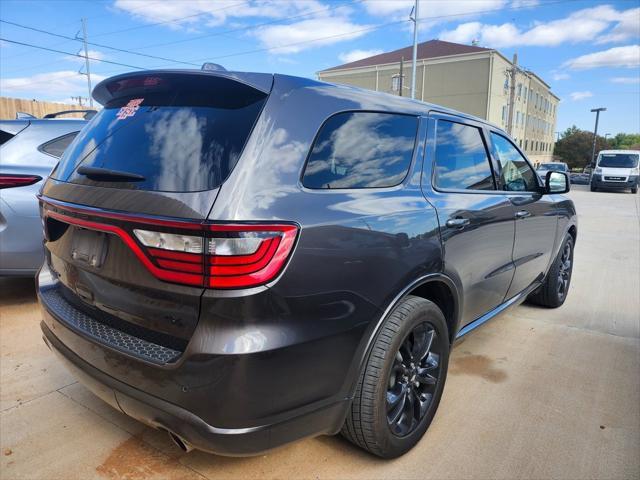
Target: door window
[
  {"x": 461, "y": 160},
  {"x": 515, "y": 173}
]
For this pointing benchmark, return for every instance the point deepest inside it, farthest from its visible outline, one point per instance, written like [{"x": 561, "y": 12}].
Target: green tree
[
  {"x": 575, "y": 147},
  {"x": 625, "y": 141}
]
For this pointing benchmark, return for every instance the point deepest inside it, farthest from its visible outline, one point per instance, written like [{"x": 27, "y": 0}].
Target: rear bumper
[
  {"x": 191, "y": 429},
  {"x": 600, "y": 182},
  {"x": 229, "y": 402}
]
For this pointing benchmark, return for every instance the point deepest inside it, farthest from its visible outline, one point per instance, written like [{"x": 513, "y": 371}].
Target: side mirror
[{"x": 557, "y": 182}]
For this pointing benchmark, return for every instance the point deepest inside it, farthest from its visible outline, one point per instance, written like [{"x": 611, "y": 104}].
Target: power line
[
  {"x": 71, "y": 54},
  {"x": 39, "y": 30}
]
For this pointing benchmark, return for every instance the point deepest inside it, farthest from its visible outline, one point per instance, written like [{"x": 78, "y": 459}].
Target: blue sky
[{"x": 588, "y": 51}]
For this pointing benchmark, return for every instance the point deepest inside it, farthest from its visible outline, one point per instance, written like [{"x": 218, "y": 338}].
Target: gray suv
[
  {"x": 243, "y": 260},
  {"x": 29, "y": 149}
]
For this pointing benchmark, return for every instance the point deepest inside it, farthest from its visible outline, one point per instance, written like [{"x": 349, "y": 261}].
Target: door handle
[
  {"x": 458, "y": 222},
  {"x": 523, "y": 214}
]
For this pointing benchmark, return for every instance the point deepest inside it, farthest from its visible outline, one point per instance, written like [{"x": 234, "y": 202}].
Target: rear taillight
[
  {"x": 10, "y": 180},
  {"x": 226, "y": 256},
  {"x": 223, "y": 256}
]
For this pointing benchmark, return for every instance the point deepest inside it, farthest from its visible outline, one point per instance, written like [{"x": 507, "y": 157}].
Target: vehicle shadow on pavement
[{"x": 14, "y": 291}]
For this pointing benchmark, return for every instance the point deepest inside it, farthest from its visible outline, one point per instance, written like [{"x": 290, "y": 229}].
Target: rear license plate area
[{"x": 89, "y": 247}]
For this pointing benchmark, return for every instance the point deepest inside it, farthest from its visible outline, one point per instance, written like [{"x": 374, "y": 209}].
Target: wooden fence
[{"x": 10, "y": 106}]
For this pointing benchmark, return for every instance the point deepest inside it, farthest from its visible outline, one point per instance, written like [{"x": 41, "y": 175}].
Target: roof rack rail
[{"x": 88, "y": 113}]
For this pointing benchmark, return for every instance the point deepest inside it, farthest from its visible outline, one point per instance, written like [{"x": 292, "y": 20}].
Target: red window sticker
[{"x": 130, "y": 109}]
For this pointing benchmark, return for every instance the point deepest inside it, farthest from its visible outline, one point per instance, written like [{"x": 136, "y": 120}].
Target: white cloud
[
  {"x": 433, "y": 12},
  {"x": 627, "y": 27},
  {"x": 625, "y": 80},
  {"x": 577, "y": 96},
  {"x": 195, "y": 13},
  {"x": 354, "y": 55},
  {"x": 628, "y": 56},
  {"x": 525, "y": 3},
  {"x": 295, "y": 37},
  {"x": 64, "y": 83},
  {"x": 558, "y": 76},
  {"x": 317, "y": 20},
  {"x": 93, "y": 55},
  {"x": 581, "y": 26}
]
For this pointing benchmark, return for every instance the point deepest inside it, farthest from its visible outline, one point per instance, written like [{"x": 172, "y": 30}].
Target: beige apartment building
[{"x": 467, "y": 78}]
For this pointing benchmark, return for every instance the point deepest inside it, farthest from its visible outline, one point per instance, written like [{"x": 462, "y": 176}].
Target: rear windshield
[
  {"x": 618, "y": 160},
  {"x": 182, "y": 133}
]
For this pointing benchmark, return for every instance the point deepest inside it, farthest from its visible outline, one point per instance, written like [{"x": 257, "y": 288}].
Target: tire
[
  {"x": 634, "y": 190},
  {"x": 384, "y": 381},
  {"x": 593, "y": 189},
  {"x": 553, "y": 292}
]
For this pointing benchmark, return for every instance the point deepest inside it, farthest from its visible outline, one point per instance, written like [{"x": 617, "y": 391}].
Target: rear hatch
[{"x": 124, "y": 210}]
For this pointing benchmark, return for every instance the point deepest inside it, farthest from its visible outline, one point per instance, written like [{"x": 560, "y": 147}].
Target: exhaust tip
[{"x": 182, "y": 445}]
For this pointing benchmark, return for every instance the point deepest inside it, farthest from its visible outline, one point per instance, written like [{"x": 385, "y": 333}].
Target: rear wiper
[{"x": 108, "y": 175}]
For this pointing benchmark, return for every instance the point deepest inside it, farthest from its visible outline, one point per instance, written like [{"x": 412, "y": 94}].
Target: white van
[{"x": 616, "y": 169}]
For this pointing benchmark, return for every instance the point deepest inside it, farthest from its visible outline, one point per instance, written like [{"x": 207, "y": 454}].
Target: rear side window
[
  {"x": 461, "y": 161},
  {"x": 181, "y": 133},
  {"x": 361, "y": 150},
  {"x": 57, "y": 146},
  {"x": 5, "y": 137}
]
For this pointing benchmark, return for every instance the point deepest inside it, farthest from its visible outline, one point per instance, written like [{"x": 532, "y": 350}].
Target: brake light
[
  {"x": 240, "y": 256},
  {"x": 220, "y": 256},
  {"x": 10, "y": 180}
]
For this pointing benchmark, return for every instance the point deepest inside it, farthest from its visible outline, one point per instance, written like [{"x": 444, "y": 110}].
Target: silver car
[{"x": 29, "y": 149}]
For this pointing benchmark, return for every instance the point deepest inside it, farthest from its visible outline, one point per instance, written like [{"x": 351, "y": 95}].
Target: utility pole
[
  {"x": 512, "y": 93},
  {"x": 86, "y": 58},
  {"x": 595, "y": 134},
  {"x": 415, "y": 18},
  {"x": 401, "y": 75}
]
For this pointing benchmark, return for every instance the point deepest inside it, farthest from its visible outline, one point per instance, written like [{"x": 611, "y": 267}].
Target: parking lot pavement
[{"x": 535, "y": 393}]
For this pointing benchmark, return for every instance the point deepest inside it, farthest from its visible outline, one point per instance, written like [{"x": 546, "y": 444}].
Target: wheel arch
[{"x": 436, "y": 287}]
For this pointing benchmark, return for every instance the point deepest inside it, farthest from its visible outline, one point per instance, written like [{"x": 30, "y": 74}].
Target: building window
[
  {"x": 526, "y": 145},
  {"x": 520, "y": 143},
  {"x": 519, "y": 90},
  {"x": 525, "y": 94},
  {"x": 504, "y": 113},
  {"x": 395, "y": 82}
]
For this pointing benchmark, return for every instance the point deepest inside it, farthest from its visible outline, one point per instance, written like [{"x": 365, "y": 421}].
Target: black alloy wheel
[
  {"x": 564, "y": 270},
  {"x": 401, "y": 384},
  {"x": 413, "y": 379}
]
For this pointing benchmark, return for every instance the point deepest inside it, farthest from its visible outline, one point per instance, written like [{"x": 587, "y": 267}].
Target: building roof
[{"x": 429, "y": 49}]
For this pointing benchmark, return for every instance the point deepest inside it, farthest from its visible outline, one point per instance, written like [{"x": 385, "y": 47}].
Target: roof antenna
[{"x": 212, "y": 67}]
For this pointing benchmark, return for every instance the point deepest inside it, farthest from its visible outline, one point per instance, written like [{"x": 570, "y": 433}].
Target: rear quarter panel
[{"x": 357, "y": 248}]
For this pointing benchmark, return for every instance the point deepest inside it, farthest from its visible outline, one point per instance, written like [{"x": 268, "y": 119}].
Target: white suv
[{"x": 616, "y": 169}]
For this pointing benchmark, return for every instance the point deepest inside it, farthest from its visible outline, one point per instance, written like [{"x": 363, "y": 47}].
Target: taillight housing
[
  {"x": 212, "y": 255},
  {"x": 8, "y": 180}
]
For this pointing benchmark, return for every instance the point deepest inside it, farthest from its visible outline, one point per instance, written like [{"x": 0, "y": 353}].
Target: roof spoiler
[
  {"x": 88, "y": 113},
  {"x": 109, "y": 88},
  {"x": 25, "y": 116}
]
